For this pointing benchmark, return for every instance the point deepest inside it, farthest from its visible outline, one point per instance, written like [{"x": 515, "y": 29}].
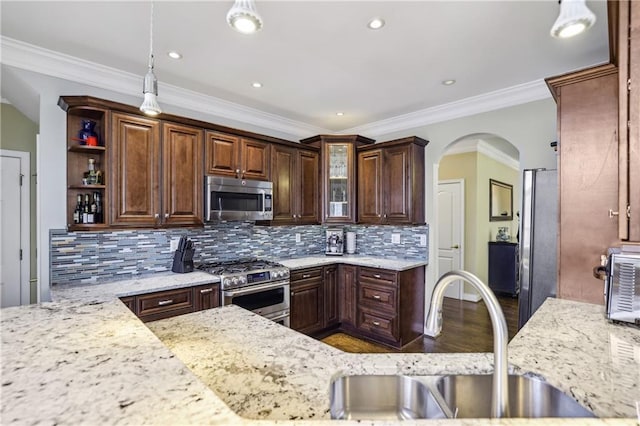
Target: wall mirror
[{"x": 500, "y": 201}]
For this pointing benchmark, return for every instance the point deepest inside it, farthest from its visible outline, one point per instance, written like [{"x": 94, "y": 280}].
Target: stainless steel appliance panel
[
  {"x": 238, "y": 199},
  {"x": 262, "y": 299},
  {"x": 623, "y": 288},
  {"x": 538, "y": 241}
]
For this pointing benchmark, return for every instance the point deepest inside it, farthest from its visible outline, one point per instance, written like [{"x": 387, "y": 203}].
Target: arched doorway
[{"x": 464, "y": 227}]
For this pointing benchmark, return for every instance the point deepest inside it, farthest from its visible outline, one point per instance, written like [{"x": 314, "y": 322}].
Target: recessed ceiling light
[
  {"x": 256, "y": 84},
  {"x": 448, "y": 82},
  {"x": 174, "y": 55},
  {"x": 339, "y": 114},
  {"x": 376, "y": 24}
]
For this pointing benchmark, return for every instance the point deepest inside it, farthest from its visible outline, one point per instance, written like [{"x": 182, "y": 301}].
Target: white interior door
[
  {"x": 14, "y": 276},
  {"x": 451, "y": 232}
]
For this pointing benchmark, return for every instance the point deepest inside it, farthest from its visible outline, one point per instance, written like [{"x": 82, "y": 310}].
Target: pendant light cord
[{"x": 151, "y": 39}]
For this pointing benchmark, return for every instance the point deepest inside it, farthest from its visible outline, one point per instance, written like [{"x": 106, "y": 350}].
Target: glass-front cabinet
[{"x": 338, "y": 175}]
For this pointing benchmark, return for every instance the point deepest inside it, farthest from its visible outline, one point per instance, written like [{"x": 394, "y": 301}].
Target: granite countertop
[
  {"x": 356, "y": 260},
  {"x": 86, "y": 359}
]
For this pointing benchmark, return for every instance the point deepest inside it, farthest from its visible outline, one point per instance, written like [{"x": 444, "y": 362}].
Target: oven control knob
[
  {"x": 285, "y": 273},
  {"x": 243, "y": 280},
  {"x": 226, "y": 281},
  {"x": 276, "y": 274},
  {"x": 235, "y": 280}
]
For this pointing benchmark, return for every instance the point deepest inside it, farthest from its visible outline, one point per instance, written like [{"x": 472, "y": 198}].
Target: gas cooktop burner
[{"x": 246, "y": 271}]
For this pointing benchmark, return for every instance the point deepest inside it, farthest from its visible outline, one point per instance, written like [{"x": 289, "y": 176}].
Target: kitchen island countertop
[{"x": 91, "y": 361}]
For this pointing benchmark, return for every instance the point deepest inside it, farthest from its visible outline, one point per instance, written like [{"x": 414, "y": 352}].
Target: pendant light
[
  {"x": 243, "y": 17},
  {"x": 575, "y": 17},
  {"x": 150, "y": 85}
]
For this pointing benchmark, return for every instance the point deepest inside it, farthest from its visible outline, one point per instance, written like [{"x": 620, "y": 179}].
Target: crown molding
[
  {"x": 503, "y": 98},
  {"x": 55, "y": 64},
  {"x": 33, "y": 58},
  {"x": 483, "y": 147}
]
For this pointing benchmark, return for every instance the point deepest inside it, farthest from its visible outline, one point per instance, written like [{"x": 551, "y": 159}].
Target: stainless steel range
[{"x": 260, "y": 286}]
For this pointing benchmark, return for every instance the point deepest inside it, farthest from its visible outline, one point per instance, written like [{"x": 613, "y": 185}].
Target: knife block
[{"x": 183, "y": 261}]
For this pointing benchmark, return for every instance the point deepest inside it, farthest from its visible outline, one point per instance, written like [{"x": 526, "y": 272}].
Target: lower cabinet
[
  {"x": 391, "y": 305},
  {"x": 503, "y": 267},
  {"x": 169, "y": 303},
  {"x": 307, "y": 300},
  {"x": 347, "y": 295},
  {"x": 331, "y": 311},
  {"x": 376, "y": 304}
]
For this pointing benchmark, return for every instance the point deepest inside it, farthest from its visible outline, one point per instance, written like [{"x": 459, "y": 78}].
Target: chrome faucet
[{"x": 500, "y": 396}]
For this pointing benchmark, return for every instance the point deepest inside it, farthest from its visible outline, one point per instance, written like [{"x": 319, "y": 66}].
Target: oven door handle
[
  {"x": 279, "y": 317},
  {"x": 255, "y": 289}
]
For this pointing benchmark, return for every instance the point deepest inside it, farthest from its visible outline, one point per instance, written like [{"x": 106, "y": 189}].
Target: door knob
[{"x": 455, "y": 247}]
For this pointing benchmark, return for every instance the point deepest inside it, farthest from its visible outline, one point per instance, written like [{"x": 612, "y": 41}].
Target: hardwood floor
[{"x": 466, "y": 327}]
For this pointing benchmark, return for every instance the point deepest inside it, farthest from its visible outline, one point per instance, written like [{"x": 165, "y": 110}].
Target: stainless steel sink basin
[
  {"x": 529, "y": 397},
  {"x": 382, "y": 398},
  {"x": 435, "y": 397}
]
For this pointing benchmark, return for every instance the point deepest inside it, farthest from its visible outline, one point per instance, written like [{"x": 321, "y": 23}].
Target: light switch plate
[
  {"x": 298, "y": 238},
  {"x": 423, "y": 240},
  {"x": 395, "y": 238}
]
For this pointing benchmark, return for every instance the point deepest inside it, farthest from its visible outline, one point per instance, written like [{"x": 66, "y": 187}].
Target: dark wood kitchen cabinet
[
  {"x": 206, "y": 297},
  {"x": 169, "y": 303},
  {"x": 338, "y": 175},
  {"x": 391, "y": 182},
  {"x": 628, "y": 58},
  {"x": 164, "y": 304},
  {"x": 307, "y": 300},
  {"x": 331, "y": 303},
  {"x": 295, "y": 174},
  {"x": 157, "y": 173},
  {"x": 390, "y": 305},
  {"x": 347, "y": 295},
  {"x": 79, "y": 153},
  {"x": 236, "y": 157},
  {"x": 587, "y": 135}
]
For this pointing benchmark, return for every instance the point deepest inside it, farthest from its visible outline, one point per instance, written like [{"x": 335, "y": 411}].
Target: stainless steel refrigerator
[{"x": 538, "y": 241}]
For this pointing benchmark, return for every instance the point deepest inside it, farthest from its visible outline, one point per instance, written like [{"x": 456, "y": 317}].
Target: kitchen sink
[
  {"x": 372, "y": 397},
  {"x": 529, "y": 397},
  {"x": 382, "y": 398}
]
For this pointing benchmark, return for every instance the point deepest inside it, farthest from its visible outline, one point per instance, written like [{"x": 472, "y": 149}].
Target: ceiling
[{"x": 315, "y": 59}]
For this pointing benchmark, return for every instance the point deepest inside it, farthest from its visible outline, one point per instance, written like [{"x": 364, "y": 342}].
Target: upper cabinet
[
  {"x": 391, "y": 182},
  {"x": 338, "y": 175},
  {"x": 87, "y": 148},
  {"x": 295, "y": 174},
  {"x": 237, "y": 157},
  {"x": 628, "y": 58},
  {"x": 157, "y": 173}
]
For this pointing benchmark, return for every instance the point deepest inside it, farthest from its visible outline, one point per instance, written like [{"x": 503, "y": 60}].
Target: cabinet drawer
[
  {"x": 378, "y": 276},
  {"x": 378, "y": 296},
  {"x": 383, "y": 326},
  {"x": 164, "y": 304},
  {"x": 305, "y": 274}
]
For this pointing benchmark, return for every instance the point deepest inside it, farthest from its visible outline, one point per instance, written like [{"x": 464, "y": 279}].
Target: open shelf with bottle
[{"x": 86, "y": 165}]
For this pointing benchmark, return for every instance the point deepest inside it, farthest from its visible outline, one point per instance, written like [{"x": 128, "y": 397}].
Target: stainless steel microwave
[{"x": 238, "y": 199}]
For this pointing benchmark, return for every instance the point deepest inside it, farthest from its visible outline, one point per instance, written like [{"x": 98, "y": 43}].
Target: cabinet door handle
[
  {"x": 156, "y": 216},
  {"x": 376, "y": 296},
  {"x": 455, "y": 247},
  {"x": 237, "y": 173},
  {"x": 206, "y": 290},
  {"x": 166, "y": 215},
  {"x": 293, "y": 294},
  {"x": 376, "y": 275},
  {"x": 165, "y": 302},
  {"x": 376, "y": 323},
  {"x": 306, "y": 275}
]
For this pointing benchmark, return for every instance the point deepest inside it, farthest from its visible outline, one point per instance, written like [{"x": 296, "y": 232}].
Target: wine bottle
[
  {"x": 77, "y": 213},
  {"x": 93, "y": 209},
  {"x": 91, "y": 179},
  {"x": 85, "y": 209},
  {"x": 97, "y": 200}
]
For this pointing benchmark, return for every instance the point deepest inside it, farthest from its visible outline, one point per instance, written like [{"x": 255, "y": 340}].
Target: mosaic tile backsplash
[{"x": 93, "y": 257}]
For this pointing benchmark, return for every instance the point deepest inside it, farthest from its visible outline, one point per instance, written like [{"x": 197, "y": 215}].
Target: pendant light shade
[
  {"x": 575, "y": 17},
  {"x": 150, "y": 84},
  {"x": 243, "y": 17}
]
